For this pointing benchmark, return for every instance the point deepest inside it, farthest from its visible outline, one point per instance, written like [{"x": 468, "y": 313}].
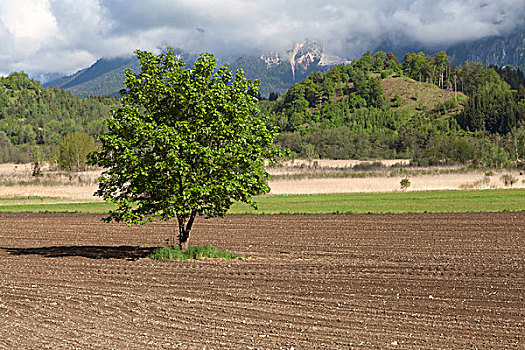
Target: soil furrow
[{"x": 434, "y": 281}]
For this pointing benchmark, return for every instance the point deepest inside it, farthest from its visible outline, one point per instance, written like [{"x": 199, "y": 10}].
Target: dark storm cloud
[
  {"x": 344, "y": 27},
  {"x": 80, "y": 31}
]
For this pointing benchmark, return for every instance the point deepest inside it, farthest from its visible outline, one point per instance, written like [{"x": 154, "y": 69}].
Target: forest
[
  {"x": 34, "y": 120},
  {"x": 424, "y": 108}
]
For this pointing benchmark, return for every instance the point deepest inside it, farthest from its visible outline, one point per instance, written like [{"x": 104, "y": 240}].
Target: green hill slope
[
  {"x": 33, "y": 117},
  {"x": 376, "y": 108},
  {"x": 414, "y": 96},
  {"x": 373, "y": 108}
]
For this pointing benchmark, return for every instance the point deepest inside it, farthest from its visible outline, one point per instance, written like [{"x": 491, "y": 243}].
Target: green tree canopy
[
  {"x": 73, "y": 150},
  {"x": 184, "y": 142}
]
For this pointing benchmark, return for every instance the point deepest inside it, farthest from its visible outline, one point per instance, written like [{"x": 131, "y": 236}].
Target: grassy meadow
[
  {"x": 298, "y": 189},
  {"x": 337, "y": 203},
  {"x": 395, "y": 202}
]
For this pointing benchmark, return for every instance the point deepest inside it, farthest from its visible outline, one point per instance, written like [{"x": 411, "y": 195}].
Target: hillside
[
  {"x": 373, "y": 108},
  {"x": 34, "y": 119},
  {"x": 376, "y": 108},
  {"x": 103, "y": 78},
  {"x": 414, "y": 96}
]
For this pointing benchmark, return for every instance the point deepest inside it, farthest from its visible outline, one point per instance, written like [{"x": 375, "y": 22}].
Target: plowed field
[{"x": 430, "y": 281}]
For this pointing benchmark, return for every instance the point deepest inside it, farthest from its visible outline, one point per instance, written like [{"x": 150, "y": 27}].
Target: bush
[
  {"x": 405, "y": 183},
  {"x": 368, "y": 166},
  {"x": 508, "y": 180},
  {"x": 396, "y": 101},
  {"x": 192, "y": 253}
]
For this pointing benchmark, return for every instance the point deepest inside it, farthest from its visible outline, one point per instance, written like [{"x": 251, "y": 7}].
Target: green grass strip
[
  {"x": 344, "y": 203},
  {"x": 46, "y": 207},
  {"x": 395, "y": 202},
  {"x": 192, "y": 253}
]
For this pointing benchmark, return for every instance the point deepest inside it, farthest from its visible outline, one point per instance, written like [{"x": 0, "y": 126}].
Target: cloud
[
  {"x": 66, "y": 35},
  {"x": 27, "y": 18}
]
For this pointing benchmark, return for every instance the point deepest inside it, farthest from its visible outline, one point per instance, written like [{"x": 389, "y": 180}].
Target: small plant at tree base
[
  {"x": 405, "y": 183},
  {"x": 192, "y": 253},
  {"x": 183, "y": 143}
]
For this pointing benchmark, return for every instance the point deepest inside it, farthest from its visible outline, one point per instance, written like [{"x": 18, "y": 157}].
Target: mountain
[
  {"x": 44, "y": 77},
  {"x": 277, "y": 72},
  {"x": 373, "y": 108},
  {"x": 103, "y": 78},
  {"x": 496, "y": 50},
  {"x": 377, "y": 108}
]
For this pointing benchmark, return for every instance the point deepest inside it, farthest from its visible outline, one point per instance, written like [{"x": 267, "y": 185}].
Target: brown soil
[{"x": 449, "y": 281}]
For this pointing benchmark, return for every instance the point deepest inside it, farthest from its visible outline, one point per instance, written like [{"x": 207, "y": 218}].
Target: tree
[
  {"x": 380, "y": 61},
  {"x": 183, "y": 143},
  {"x": 392, "y": 62},
  {"x": 417, "y": 66},
  {"x": 492, "y": 107},
  {"x": 273, "y": 96},
  {"x": 439, "y": 65},
  {"x": 73, "y": 150},
  {"x": 404, "y": 183}
]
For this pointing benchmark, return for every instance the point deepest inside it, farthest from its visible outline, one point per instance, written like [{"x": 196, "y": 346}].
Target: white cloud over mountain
[{"x": 65, "y": 35}]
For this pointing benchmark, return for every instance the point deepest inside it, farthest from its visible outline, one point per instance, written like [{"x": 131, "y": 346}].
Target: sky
[{"x": 63, "y": 36}]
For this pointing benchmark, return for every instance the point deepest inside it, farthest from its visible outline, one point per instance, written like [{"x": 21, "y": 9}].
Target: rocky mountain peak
[
  {"x": 303, "y": 55},
  {"x": 271, "y": 59}
]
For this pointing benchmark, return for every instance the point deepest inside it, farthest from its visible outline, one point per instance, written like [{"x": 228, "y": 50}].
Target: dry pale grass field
[
  {"x": 80, "y": 193},
  {"x": 382, "y": 181},
  {"x": 16, "y": 180},
  {"x": 392, "y": 184},
  {"x": 343, "y": 163}
]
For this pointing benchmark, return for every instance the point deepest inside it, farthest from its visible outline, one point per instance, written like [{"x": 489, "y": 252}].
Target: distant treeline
[
  {"x": 344, "y": 113},
  {"x": 423, "y": 108},
  {"x": 34, "y": 120}
]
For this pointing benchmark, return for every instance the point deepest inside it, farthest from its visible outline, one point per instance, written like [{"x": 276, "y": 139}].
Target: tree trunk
[
  {"x": 185, "y": 225},
  {"x": 455, "y": 89},
  {"x": 184, "y": 242},
  {"x": 516, "y": 147}
]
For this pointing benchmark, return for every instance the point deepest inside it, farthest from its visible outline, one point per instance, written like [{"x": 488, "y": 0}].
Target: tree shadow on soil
[{"x": 89, "y": 251}]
